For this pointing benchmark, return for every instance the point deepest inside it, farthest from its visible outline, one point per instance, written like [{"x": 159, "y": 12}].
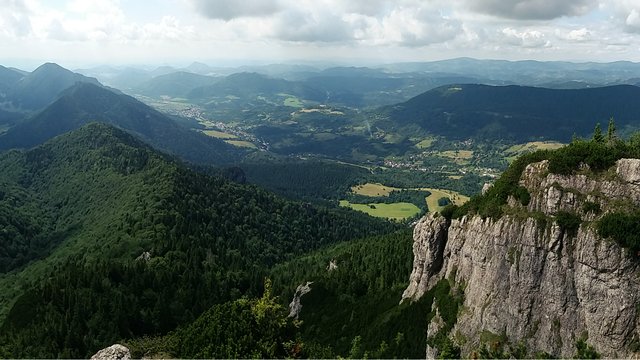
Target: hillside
[
  {"x": 249, "y": 85},
  {"x": 515, "y": 112},
  {"x": 8, "y": 78},
  {"x": 177, "y": 84},
  {"x": 116, "y": 241},
  {"x": 84, "y": 103},
  {"x": 42, "y": 86},
  {"x": 546, "y": 263}
]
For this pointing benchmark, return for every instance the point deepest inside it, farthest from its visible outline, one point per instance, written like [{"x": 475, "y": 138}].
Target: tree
[
  {"x": 597, "y": 134},
  {"x": 611, "y": 131}
]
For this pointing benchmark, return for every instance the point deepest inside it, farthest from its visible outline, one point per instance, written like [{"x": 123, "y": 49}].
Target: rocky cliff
[{"x": 528, "y": 278}]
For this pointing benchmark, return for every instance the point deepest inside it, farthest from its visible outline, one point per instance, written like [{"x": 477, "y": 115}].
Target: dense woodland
[{"x": 148, "y": 244}]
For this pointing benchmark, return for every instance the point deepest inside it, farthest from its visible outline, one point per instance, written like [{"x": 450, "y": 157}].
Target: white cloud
[{"x": 525, "y": 39}]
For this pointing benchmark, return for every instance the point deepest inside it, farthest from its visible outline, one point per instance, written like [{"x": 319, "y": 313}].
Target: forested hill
[
  {"x": 42, "y": 86},
  {"x": 516, "y": 112},
  {"x": 84, "y": 103},
  {"x": 106, "y": 239}
]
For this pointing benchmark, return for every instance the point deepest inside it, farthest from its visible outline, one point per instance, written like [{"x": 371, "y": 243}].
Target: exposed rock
[
  {"x": 486, "y": 187},
  {"x": 113, "y": 352},
  {"x": 145, "y": 256},
  {"x": 427, "y": 260},
  {"x": 527, "y": 278},
  {"x": 333, "y": 265},
  {"x": 296, "y": 306},
  {"x": 432, "y": 329}
]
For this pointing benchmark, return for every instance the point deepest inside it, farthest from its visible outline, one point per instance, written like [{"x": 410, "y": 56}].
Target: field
[
  {"x": 425, "y": 144},
  {"x": 241, "y": 143},
  {"x": 370, "y": 189},
  {"x": 219, "y": 134},
  {"x": 395, "y": 211},
  {"x": 516, "y": 150},
  {"x": 436, "y": 194},
  {"x": 458, "y": 156}
]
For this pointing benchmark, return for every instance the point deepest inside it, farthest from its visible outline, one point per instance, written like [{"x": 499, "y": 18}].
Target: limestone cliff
[{"x": 529, "y": 279}]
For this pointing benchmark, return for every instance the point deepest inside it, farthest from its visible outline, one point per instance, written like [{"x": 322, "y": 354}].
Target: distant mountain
[
  {"x": 527, "y": 72},
  {"x": 8, "y": 78},
  {"x": 120, "y": 78},
  {"x": 86, "y": 102},
  {"x": 515, "y": 112},
  {"x": 177, "y": 84},
  {"x": 44, "y": 85},
  {"x": 246, "y": 85}
]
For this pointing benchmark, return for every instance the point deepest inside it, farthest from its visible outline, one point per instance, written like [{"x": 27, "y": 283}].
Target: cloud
[
  {"x": 232, "y": 9},
  {"x": 318, "y": 26},
  {"x": 525, "y": 39},
  {"x": 419, "y": 27},
  {"x": 15, "y": 19},
  {"x": 532, "y": 9}
]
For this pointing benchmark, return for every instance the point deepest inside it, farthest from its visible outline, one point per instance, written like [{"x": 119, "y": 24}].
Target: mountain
[
  {"x": 85, "y": 102},
  {"x": 516, "y": 112},
  {"x": 545, "y": 263},
  {"x": 44, "y": 85},
  {"x": 177, "y": 84},
  {"x": 104, "y": 239},
  {"x": 526, "y": 72},
  {"x": 120, "y": 78},
  {"x": 249, "y": 85},
  {"x": 8, "y": 77}
]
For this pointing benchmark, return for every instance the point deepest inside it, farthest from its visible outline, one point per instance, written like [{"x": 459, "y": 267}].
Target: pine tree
[
  {"x": 597, "y": 134},
  {"x": 611, "y": 131}
]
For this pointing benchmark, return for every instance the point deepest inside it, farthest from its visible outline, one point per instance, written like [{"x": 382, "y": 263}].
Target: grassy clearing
[
  {"x": 514, "y": 151},
  {"x": 370, "y": 189},
  {"x": 292, "y": 101},
  {"x": 241, "y": 143},
  {"x": 425, "y": 144},
  {"x": 219, "y": 134},
  {"x": 457, "y": 154},
  {"x": 395, "y": 211},
  {"x": 324, "y": 136},
  {"x": 436, "y": 194},
  {"x": 455, "y": 177}
]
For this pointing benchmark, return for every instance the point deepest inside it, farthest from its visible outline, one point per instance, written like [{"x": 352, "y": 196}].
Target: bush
[
  {"x": 623, "y": 228},
  {"x": 568, "y": 222}
]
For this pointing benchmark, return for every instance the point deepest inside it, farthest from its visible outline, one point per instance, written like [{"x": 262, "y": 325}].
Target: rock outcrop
[
  {"x": 526, "y": 277},
  {"x": 296, "y": 303},
  {"x": 113, "y": 352}
]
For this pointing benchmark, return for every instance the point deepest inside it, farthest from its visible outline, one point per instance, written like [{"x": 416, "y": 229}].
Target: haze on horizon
[{"x": 77, "y": 33}]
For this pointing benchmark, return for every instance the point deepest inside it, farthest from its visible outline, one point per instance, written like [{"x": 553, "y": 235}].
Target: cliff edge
[{"x": 540, "y": 277}]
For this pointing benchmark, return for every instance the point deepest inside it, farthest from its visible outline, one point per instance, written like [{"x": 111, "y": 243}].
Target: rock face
[
  {"x": 113, "y": 352},
  {"x": 526, "y": 277},
  {"x": 296, "y": 305}
]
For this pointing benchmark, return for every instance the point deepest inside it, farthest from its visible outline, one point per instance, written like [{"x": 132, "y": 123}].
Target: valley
[{"x": 271, "y": 211}]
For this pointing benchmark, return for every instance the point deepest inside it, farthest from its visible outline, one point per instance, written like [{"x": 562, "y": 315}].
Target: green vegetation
[
  {"x": 395, "y": 211},
  {"x": 353, "y": 309},
  {"x": 143, "y": 244},
  {"x": 623, "y": 228},
  {"x": 569, "y": 222},
  {"x": 585, "y": 351}
]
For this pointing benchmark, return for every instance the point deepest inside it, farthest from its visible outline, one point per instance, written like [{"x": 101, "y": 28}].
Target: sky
[{"x": 80, "y": 33}]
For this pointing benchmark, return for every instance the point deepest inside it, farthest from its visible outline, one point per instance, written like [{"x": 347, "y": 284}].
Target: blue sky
[{"x": 91, "y": 32}]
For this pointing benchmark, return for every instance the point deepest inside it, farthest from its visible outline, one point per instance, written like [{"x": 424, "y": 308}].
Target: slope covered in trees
[
  {"x": 514, "y": 112},
  {"x": 126, "y": 242}
]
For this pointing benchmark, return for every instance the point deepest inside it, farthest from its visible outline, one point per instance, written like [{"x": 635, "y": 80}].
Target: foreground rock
[
  {"x": 526, "y": 278},
  {"x": 113, "y": 352}
]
